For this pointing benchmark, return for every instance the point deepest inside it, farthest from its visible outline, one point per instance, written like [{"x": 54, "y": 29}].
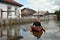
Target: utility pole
[{"x": 38, "y": 13}]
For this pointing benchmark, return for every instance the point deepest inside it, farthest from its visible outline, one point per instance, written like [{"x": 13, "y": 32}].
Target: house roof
[
  {"x": 28, "y": 9},
  {"x": 11, "y": 2}
]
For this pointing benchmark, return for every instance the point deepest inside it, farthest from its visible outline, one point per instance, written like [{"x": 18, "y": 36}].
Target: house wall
[
  {"x": 25, "y": 11},
  {"x": 4, "y": 8},
  {"x": 0, "y": 13},
  {"x": 18, "y": 12},
  {"x": 11, "y": 14}
]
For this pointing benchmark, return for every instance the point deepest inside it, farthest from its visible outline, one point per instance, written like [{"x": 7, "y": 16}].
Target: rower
[{"x": 37, "y": 23}]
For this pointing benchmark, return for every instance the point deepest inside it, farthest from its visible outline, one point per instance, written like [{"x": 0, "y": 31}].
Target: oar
[{"x": 44, "y": 29}]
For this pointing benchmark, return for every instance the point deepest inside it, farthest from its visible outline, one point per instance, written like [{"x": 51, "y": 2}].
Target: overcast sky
[{"x": 42, "y": 5}]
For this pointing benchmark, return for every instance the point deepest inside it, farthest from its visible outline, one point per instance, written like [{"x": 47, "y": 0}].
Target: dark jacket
[{"x": 37, "y": 23}]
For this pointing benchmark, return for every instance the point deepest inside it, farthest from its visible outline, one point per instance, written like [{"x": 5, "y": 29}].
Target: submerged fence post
[
  {"x": 17, "y": 32},
  {"x": 1, "y": 32}
]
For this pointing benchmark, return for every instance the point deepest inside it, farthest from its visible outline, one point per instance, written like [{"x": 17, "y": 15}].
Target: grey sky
[{"x": 42, "y": 5}]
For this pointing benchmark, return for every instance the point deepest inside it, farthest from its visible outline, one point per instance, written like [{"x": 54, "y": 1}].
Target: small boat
[{"x": 37, "y": 31}]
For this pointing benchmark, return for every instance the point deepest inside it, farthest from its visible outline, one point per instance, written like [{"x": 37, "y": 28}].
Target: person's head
[{"x": 36, "y": 19}]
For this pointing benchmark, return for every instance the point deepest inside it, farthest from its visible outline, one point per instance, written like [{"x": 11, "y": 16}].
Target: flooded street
[
  {"x": 16, "y": 17},
  {"x": 52, "y": 31}
]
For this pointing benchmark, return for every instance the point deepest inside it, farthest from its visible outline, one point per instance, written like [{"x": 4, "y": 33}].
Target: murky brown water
[{"x": 21, "y": 32}]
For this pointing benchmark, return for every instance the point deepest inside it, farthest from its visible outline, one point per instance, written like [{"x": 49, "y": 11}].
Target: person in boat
[
  {"x": 37, "y": 23},
  {"x": 36, "y": 28}
]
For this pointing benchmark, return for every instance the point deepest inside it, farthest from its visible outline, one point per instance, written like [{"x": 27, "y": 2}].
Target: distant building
[
  {"x": 9, "y": 9},
  {"x": 27, "y": 12},
  {"x": 51, "y": 16},
  {"x": 40, "y": 13}
]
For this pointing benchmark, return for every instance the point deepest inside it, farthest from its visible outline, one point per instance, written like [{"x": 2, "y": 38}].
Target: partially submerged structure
[
  {"x": 10, "y": 9},
  {"x": 40, "y": 13},
  {"x": 27, "y": 12}
]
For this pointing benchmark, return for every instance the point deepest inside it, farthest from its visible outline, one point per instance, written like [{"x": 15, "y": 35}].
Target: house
[
  {"x": 51, "y": 16},
  {"x": 27, "y": 12},
  {"x": 40, "y": 13},
  {"x": 10, "y": 9}
]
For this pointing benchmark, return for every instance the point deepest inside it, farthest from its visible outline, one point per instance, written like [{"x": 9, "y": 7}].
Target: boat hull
[{"x": 37, "y": 31}]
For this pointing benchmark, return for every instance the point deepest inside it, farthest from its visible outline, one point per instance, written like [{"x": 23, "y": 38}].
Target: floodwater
[{"x": 52, "y": 31}]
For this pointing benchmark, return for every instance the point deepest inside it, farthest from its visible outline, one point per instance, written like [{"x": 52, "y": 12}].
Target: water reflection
[
  {"x": 21, "y": 32},
  {"x": 10, "y": 33},
  {"x": 37, "y": 34},
  {"x": 14, "y": 34},
  {"x": 52, "y": 32}
]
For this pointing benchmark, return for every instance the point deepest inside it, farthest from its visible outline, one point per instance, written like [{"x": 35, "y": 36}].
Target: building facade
[
  {"x": 27, "y": 12},
  {"x": 10, "y": 9}
]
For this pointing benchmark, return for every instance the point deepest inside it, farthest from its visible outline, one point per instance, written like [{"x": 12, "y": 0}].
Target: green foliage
[{"x": 57, "y": 12}]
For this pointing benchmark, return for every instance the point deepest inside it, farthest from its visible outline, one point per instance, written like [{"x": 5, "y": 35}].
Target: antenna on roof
[{"x": 38, "y": 11}]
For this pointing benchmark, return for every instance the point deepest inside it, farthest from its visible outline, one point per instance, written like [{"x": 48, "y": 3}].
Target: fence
[{"x": 11, "y": 21}]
